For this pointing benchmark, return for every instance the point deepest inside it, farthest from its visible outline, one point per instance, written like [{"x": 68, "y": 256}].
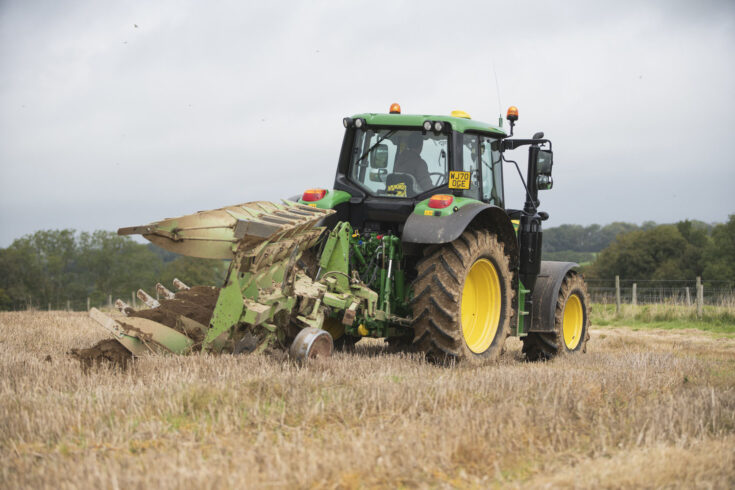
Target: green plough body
[{"x": 268, "y": 297}]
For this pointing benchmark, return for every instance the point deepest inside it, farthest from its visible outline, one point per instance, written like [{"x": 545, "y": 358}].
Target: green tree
[
  {"x": 194, "y": 272},
  {"x": 656, "y": 253},
  {"x": 41, "y": 268},
  {"x": 719, "y": 256},
  {"x": 116, "y": 265},
  {"x": 590, "y": 239},
  {"x": 53, "y": 266}
]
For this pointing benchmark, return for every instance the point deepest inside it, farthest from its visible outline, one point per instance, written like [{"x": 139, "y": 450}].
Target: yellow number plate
[{"x": 459, "y": 180}]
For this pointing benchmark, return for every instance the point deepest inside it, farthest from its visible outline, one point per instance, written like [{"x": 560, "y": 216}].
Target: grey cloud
[{"x": 104, "y": 125}]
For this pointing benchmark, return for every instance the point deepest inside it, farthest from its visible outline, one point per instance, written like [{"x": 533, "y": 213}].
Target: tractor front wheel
[
  {"x": 571, "y": 323},
  {"x": 462, "y": 299}
]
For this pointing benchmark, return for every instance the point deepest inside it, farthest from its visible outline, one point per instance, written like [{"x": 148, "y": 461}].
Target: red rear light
[
  {"x": 311, "y": 195},
  {"x": 440, "y": 201}
]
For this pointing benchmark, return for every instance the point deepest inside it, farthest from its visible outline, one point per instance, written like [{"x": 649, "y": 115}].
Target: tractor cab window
[
  {"x": 492, "y": 171},
  {"x": 471, "y": 164},
  {"x": 398, "y": 162},
  {"x": 481, "y": 157}
]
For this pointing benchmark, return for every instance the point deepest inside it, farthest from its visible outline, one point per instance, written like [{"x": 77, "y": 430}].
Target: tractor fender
[
  {"x": 546, "y": 293},
  {"x": 425, "y": 230}
]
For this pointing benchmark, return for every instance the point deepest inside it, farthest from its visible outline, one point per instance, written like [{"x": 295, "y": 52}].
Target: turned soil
[{"x": 196, "y": 304}]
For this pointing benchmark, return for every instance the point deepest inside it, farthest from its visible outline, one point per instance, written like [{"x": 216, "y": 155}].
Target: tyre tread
[{"x": 437, "y": 307}]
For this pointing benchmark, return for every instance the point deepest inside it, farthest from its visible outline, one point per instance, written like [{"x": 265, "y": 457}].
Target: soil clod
[{"x": 105, "y": 351}]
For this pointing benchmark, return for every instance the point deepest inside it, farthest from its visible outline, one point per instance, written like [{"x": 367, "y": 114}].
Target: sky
[{"x": 121, "y": 113}]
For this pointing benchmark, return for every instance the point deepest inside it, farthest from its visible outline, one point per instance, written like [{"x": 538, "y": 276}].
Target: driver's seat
[{"x": 401, "y": 185}]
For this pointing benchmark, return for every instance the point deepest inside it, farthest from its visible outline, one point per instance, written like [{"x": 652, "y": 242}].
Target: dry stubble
[{"x": 639, "y": 409}]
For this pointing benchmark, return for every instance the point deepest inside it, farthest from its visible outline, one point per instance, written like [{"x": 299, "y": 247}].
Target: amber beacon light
[
  {"x": 395, "y": 108},
  {"x": 512, "y": 113}
]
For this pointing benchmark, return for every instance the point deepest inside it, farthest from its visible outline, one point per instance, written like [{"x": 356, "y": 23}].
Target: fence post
[
  {"x": 68, "y": 305},
  {"x": 49, "y": 307},
  {"x": 700, "y": 297},
  {"x": 689, "y": 297},
  {"x": 635, "y": 294},
  {"x": 87, "y": 303},
  {"x": 617, "y": 294},
  {"x": 109, "y": 301}
]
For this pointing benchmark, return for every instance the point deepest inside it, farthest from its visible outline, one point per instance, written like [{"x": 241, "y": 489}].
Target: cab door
[{"x": 491, "y": 169}]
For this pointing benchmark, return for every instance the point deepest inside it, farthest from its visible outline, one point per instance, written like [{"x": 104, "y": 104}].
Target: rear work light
[
  {"x": 311, "y": 195},
  {"x": 440, "y": 201}
]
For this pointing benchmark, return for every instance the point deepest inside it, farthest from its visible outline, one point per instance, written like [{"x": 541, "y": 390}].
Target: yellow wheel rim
[
  {"x": 573, "y": 321},
  {"x": 481, "y": 302}
]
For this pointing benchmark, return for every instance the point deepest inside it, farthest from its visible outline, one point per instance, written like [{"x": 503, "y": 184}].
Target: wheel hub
[
  {"x": 481, "y": 303},
  {"x": 572, "y": 322}
]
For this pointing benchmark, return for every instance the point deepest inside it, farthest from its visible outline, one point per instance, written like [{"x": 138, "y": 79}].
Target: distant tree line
[
  {"x": 682, "y": 251},
  {"x": 582, "y": 244},
  {"x": 55, "y": 266}
]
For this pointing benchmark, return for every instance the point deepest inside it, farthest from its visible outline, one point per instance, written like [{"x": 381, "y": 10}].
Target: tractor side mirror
[
  {"x": 544, "y": 162},
  {"x": 379, "y": 156},
  {"x": 378, "y": 175}
]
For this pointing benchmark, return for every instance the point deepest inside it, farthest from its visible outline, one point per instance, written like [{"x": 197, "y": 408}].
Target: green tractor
[{"x": 414, "y": 244}]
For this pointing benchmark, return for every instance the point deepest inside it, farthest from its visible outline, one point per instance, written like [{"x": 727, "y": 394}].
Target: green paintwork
[
  {"x": 158, "y": 333},
  {"x": 522, "y": 313},
  {"x": 330, "y": 200},
  {"x": 133, "y": 344},
  {"x": 423, "y": 207},
  {"x": 458, "y": 123},
  {"x": 335, "y": 259},
  {"x": 380, "y": 269},
  {"x": 228, "y": 309}
]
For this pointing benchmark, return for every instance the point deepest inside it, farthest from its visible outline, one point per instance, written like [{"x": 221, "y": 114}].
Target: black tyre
[
  {"x": 462, "y": 299},
  {"x": 571, "y": 323},
  {"x": 399, "y": 344},
  {"x": 346, "y": 343}
]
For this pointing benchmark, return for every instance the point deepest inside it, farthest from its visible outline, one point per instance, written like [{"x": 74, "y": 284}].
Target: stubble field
[{"x": 648, "y": 408}]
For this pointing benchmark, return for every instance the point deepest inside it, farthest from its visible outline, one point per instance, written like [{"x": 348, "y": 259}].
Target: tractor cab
[{"x": 389, "y": 163}]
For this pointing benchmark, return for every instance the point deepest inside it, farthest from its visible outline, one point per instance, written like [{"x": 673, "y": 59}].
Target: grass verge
[{"x": 715, "y": 319}]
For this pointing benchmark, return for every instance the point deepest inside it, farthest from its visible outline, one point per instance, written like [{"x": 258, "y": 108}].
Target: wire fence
[
  {"x": 643, "y": 291},
  {"x": 71, "y": 304}
]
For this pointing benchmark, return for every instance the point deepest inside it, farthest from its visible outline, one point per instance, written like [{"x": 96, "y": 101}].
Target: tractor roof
[{"x": 458, "y": 123}]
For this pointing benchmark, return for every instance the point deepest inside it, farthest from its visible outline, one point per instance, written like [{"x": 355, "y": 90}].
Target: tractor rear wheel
[
  {"x": 571, "y": 323},
  {"x": 462, "y": 299}
]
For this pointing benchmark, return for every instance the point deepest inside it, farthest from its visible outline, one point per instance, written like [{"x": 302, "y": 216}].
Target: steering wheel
[{"x": 441, "y": 176}]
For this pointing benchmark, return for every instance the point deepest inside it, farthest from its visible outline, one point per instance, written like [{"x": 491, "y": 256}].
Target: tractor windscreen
[{"x": 398, "y": 162}]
